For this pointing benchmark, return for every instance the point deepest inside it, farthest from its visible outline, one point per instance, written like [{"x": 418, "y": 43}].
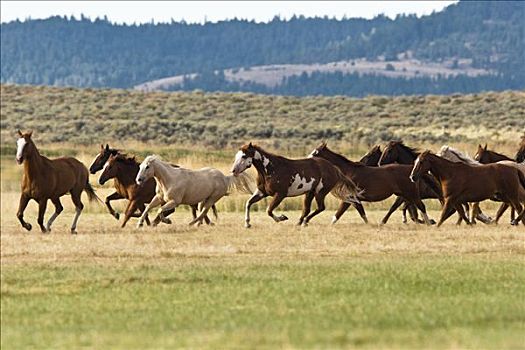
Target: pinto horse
[
  {"x": 463, "y": 183},
  {"x": 378, "y": 183},
  {"x": 46, "y": 179},
  {"x": 281, "y": 177}
]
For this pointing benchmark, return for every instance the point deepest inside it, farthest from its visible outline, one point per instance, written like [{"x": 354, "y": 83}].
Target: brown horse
[
  {"x": 124, "y": 170},
  {"x": 377, "y": 183},
  {"x": 397, "y": 152},
  {"x": 463, "y": 183},
  {"x": 46, "y": 179},
  {"x": 520, "y": 155},
  {"x": 281, "y": 177},
  {"x": 486, "y": 156},
  {"x": 371, "y": 158}
]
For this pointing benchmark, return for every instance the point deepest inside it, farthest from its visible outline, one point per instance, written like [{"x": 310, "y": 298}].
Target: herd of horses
[{"x": 459, "y": 182}]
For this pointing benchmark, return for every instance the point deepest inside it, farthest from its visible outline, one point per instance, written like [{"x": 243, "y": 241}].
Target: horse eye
[{"x": 147, "y": 166}]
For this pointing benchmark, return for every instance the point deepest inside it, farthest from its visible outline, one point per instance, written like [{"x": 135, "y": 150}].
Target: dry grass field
[{"x": 349, "y": 285}]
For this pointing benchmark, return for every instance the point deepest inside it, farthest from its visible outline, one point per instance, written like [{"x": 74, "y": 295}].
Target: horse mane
[
  {"x": 414, "y": 151},
  {"x": 124, "y": 158},
  {"x": 340, "y": 157},
  {"x": 154, "y": 157},
  {"x": 520, "y": 156},
  {"x": 259, "y": 148},
  {"x": 458, "y": 154}
]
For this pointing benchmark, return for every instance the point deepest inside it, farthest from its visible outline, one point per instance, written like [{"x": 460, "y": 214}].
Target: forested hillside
[{"x": 96, "y": 53}]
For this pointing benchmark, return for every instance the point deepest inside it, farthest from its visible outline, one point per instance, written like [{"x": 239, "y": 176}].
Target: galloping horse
[
  {"x": 463, "y": 183},
  {"x": 371, "y": 158},
  {"x": 378, "y": 183},
  {"x": 124, "y": 170},
  {"x": 281, "y": 177},
  {"x": 46, "y": 178},
  {"x": 398, "y": 152},
  {"x": 177, "y": 185},
  {"x": 485, "y": 156},
  {"x": 124, "y": 182}
]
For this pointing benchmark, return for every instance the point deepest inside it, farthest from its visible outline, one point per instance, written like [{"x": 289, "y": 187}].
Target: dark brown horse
[
  {"x": 124, "y": 170},
  {"x": 462, "y": 183},
  {"x": 397, "y": 152},
  {"x": 377, "y": 183},
  {"x": 371, "y": 158},
  {"x": 520, "y": 155},
  {"x": 46, "y": 179},
  {"x": 486, "y": 156},
  {"x": 281, "y": 177}
]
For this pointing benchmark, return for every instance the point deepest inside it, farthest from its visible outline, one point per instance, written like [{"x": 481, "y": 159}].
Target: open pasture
[{"x": 349, "y": 285}]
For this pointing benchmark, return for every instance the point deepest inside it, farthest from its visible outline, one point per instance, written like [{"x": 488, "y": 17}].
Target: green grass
[{"x": 384, "y": 301}]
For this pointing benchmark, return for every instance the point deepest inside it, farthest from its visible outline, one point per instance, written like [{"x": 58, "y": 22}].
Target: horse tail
[
  {"x": 242, "y": 183},
  {"x": 345, "y": 189},
  {"x": 91, "y": 193}
]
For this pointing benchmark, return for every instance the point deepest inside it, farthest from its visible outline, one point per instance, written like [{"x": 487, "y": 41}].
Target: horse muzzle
[
  {"x": 139, "y": 181},
  {"x": 19, "y": 160},
  {"x": 413, "y": 178}
]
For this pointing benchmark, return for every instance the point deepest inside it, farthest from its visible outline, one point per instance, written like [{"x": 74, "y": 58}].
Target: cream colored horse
[
  {"x": 454, "y": 155},
  {"x": 177, "y": 186}
]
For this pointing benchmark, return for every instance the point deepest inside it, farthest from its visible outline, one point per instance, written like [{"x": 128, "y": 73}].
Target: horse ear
[
  {"x": 101, "y": 147},
  {"x": 485, "y": 148},
  {"x": 29, "y": 134},
  {"x": 20, "y": 133},
  {"x": 107, "y": 147},
  {"x": 250, "y": 145}
]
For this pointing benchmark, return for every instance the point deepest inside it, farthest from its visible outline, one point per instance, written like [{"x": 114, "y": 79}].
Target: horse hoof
[
  {"x": 27, "y": 226},
  {"x": 211, "y": 224},
  {"x": 139, "y": 225},
  {"x": 247, "y": 225},
  {"x": 116, "y": 215},
  {"x": 432, "y": 222},
  {"x": 304, "y": 224},
  {"x": 283, "y": 218},
  {"x": 73, "y": 232},
  {"x": 167, "y": 221}
]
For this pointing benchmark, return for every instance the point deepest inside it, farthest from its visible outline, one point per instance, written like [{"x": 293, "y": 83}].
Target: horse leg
[
  {"x": 58, "y": 210},
  {"x": 446, "y": 212},
  {"x": 319, "y": 199},
  {"x": 42, "y": 205},
  {"x": 393, "y": 208},
  {"x": 463, "y": 215},
  {"x": 130, "y": 210},
  {"x": 75, "y": 197},
  {"x": 361, "y": 211},
  {"x": 24, "y": 200},
  {"x": 112, "y": 197},
  {"x": 503, "y": 207},
  {"x": 412, "y": 210},
  {"x": 155, "y": 202},
  {"x": 165, "y": 220},
  {"x": 519, "y": 209},
  {"x": 274, "y": 203},
  {"x": 257, "y": 196},
  {"x": 206, "y": 218},
  {"x": 307, "y": 204},
  {"x": 205, "y": 206},
  {"x": 342, "y": 208},
  {"x": 169, "y": 205},
  {"x": 421, "y": 206}
]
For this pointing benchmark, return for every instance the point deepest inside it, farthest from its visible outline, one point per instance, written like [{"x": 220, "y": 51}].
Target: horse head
[
  {"x": 318, "y": 151},
  {"x": 146, "y": 170},
  {"x": 110, "y": 170},
  {"x": 102, "y": 158},
  {"x": 421, "y": 166},
  {"x": 24, "y": 146},
  {"x": 244, "y": 158}
]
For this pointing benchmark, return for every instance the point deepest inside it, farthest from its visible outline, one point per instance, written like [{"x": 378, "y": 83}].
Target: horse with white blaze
[{"x": 280, "y": 177}]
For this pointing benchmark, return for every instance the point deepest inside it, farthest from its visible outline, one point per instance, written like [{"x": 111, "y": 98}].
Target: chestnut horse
[
  {"x": 398, "y": 152},
  {"x": 122, "y": 189},
  {"x": 377, "y": 183},
  {"x": 463, "y": 183},
  {"x": 46, "y": 179},
  {"x": 281, "y": 177},
  {"x": 371, "y": 158}
]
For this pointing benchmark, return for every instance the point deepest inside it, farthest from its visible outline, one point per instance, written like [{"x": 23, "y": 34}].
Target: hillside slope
[
  {"x": 88, "y": 116},
  {"x": 86, "y": 53}
]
